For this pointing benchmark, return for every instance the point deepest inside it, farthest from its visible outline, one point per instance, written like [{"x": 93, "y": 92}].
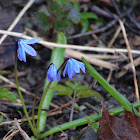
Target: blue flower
[
  {"x": 52, "y": 73},
  {"x": 24, "y": 48},
  {"x": 72, "y": 67}
]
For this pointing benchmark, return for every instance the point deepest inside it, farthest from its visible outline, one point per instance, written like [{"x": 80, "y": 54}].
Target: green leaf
[
  {"x": 72, "y": 86},
  {"x": 64, "y": 25},
  {"x": 99, "y": 22},
  {"x": 135, "y": 111},
  {"x": 74, "y": 15},
  {"x": 57, "y": 58},
  {"x": 69, "y": 84},
  {"x": 62, "y": 90},
  {"x": 85, "y": 25},
  {"x": 4, "y": 93},
  {"x": 77, "y": 5},
  {"x": 1, "y": 118},
  {"x": 95, "y": 126},
  {"x": 88, "y": 15},
  {"x": 42, "y": 19},
  {"x": 120, "y": 98},
  {"x": 67, "y": 93},
  {"x": 61, "y": 2},
  {"x": 81, "y": 88},
  {"x": 88, "y": 93}
]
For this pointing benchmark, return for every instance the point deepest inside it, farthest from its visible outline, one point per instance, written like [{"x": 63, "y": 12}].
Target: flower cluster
[{"x": 72, "y": 67}]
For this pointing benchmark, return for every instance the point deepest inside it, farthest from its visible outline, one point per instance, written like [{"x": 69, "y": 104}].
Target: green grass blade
[
  {"x": 120, "y": 98},
  {"x": 57, "y": 58}
]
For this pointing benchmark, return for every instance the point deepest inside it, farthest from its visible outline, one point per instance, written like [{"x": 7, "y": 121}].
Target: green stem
[
  {"x": 40, "y": 113},
  {"x": 83, "y": 121},
  {"x": 57, "y": 59},
  {"x": 119, "y": 97},
  {"x": 22, "y": 101},
  {"x": 72, "y": 108},
  {"x": 34, "y": 102}
]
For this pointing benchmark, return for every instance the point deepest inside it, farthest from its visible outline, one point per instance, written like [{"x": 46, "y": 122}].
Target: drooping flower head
[
  {"x": 52, "y": 73},
  {"x": 24, "y": 48},
  {"x": 72, "y": 67}
]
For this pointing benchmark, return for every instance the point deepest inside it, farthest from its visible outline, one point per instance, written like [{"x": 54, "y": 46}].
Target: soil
[{"x": 31, "y": 73}]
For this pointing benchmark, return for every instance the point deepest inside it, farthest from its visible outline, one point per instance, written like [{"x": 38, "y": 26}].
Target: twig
[
  {"x": 127, "y": 15},
  {"x": 24, "y": 120},
  {"x": 133, "y": 21},
  {"x": 126, "y": 67},
  {"x": 131, "y": 29},
  {"x": 92, "y": 107},
  {"x": 109, "y": 25},
  {"x": 26, "y": 7},
  {"x": 82, "y": 132},
  {"x": 10, "y": 134},
  {"x": 14, "y": 85},
  {"x": 50, "y": 44},
  {"x": 104, "y": 56},
  {"x": 62, "y": 106},
  {"x": 101, "y": 12},
  {"x": 95, "y": 61},
  {"x": 65, "y": 106},
  {"x": 114, "y": 37},
  {"x": 25, "y": 136},
  {"x": 131, "y": 59},
  {"x": 72, "y": 108},
  {"x": 109, "y": 76},
  {"x": 116, "y": 7}
]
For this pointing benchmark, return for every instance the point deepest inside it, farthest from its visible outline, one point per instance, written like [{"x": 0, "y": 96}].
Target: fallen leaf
[{"x": 113, "y": 128}]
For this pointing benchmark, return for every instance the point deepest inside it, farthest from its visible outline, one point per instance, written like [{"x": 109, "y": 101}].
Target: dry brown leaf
[{"x": 113, "y": 128}]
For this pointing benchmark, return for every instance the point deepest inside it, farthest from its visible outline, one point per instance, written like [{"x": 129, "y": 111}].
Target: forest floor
[{"x": 114, "y": 67}]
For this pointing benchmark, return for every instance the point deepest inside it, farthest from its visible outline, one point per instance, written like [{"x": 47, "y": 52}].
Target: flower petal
[
  {"x": 70, "y": 69},
  {"x": 65, "y": 70},
  {"x": 21, "y": 54},
  {"x": 75, "y": 65},
  {"x": 58, "y": 76},
  {"x": 31, "y": 41},
  {"x": 82, "y": 66},
  {"x": 52, "y": 73},
  {"x": 28, "y": 49}
]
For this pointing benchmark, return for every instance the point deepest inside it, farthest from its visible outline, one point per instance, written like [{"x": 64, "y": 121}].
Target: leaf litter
[{"x": 114, "y": 128}]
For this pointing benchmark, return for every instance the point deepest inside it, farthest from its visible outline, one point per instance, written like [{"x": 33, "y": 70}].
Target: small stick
[
  {"x": 62, "y": 106},
  {"x": 10, "y": 134},
  {"x": 25, "y": 136},
  {"x": 66, "y": 106},
  {"x": 126, "y": 67},
  {"x": 72, "y": 108},
  {"x": 109, "y": 76},
  {"x": 24, "y": 120},
  {"x": 26, "y": 7},
  {"x": 131, "y": 58},
  {"x": 78, "y": 47},
  {"x": 114, "y": 37},
  {"x": 14, "y": 85},
  {"x": 94, "y": 61},
  {"x": 92, "y": 107}
]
